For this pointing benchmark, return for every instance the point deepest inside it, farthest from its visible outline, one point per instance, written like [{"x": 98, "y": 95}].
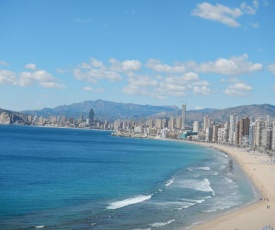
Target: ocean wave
[
  {"x": 230, "y": 182},
  {"x": 169, "y": 182},
  {"x": 215, "y": 173},
  {"x": 203, "y": 168},
  {"x": 222, "y": 167},
  {"x": 160, "y": 224},
  {"x": 199, "y": 185},
  {"x": 129, "y": 201}
]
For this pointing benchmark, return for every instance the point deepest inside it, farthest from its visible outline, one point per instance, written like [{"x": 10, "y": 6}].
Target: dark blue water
[{"x": 85, "y": 179}]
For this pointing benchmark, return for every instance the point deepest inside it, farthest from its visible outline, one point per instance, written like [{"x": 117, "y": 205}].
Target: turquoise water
[{"x": 85, "y": 179}]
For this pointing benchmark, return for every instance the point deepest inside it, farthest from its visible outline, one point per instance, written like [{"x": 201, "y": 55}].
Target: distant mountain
[
  {"x": 221, "y": 115},
  {"x": 104, "y": 110}
]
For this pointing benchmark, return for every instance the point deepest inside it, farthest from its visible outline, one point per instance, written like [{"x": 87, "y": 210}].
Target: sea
[{"x": 61, "y": 178}]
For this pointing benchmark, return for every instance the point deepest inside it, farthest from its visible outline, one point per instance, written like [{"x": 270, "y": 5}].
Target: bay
[{"x": 87, "y": 179}]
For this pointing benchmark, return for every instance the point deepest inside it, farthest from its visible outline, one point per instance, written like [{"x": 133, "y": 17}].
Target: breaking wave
[{"x": 127, "y": 202}]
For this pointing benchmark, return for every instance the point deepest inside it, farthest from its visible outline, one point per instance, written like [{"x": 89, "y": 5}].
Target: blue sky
[{"x": 210, "y": 54}]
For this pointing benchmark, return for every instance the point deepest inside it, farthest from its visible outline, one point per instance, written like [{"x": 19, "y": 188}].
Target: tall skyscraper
[
  {"x": 233, "y": 128},
  {"x": 259, "y": 126},
  {"x": 243, "y": 129},
  {"x": 273, "y": 136},
  {"x": 91, "y": 115},
  {"x": 183, "y": 116},
  {"x": 196, "y": 126},
  {"x": 206, "y": 123}
]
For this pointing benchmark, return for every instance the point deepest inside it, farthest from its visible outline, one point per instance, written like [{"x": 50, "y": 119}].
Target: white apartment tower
[
  {"x": 206, "y": 123},
  {"x": 233, "y": 128},
  {"x": 196, "y": 126},
  {"x": 183, "y": 116}
]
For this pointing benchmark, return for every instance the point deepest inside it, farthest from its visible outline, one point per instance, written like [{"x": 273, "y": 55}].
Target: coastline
[{"x": 256, "y": 215}]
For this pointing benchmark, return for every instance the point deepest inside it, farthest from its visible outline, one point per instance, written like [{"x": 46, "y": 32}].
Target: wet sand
[{"x": 259, "y": 214}]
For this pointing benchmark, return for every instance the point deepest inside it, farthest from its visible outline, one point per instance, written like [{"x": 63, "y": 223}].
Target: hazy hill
[
  {"x": 104, "y": 110},
  {"x": 242, "y": 111}
]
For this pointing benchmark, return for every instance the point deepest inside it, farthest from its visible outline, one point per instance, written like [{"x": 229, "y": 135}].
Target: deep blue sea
[{"x": 55, "y": 178}]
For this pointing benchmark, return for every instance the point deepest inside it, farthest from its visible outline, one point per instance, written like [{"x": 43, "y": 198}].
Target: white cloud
[
  {"x": 218, "y": 13},
  {"x": 4, "y": 63},
  {"x": 95, "y": 70},
  {"x": 160, "y": 67},
  {"x": 39, "y": 77},
  {"x": 7, "y": 77},
  {"x": 224, "y": 14},
  {"x": 238, "y": 89},
  {"x": 125, "y": 66},
  {"x": 88, "y": 88},
  {"x": 271, "y": 68},
  {"x": 93, "y": 75},
  {"x": 233, "y": 66},
  {"x": 163, "y": 87},
  {"x": 247, "y": 9},
  {"x": 30, "y": 66},
  {"x": 203, "y": 90}
]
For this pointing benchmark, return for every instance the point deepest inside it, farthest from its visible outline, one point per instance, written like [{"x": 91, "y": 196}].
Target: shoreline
[{"x": 255, "y": 215}]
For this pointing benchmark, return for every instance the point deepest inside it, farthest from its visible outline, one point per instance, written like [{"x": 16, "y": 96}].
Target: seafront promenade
[{"x": 259, "y": 215}]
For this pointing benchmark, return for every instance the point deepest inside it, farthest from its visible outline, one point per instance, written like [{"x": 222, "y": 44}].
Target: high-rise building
[
  {"x": 215, "y": 133},
  {"x": 243, "y": 130},
  {"x": 251, "y": 135},
  {"x": 172, "y": 123},
  {"x": 208, "y": 134},
  {"x": 183, "y": 116},
  {"x": 206, "y": 123},
  {"x": 259, "y": 126},
  {"x": 150, "y": 123},
  {"x": 164, "y": 123},
  {"x": 267, "y": 122},
  {"x": 266, "y": 140},
  {"x": 233, "y": 128},
  {"x": 91, "y": 115},
  {"x": 158, "y": 123},
  {"x": 178, "y": 122},
  {"x": 273, "y": 136},
  {"x": 196, "y": 126},
  {"x": 223, "y": 134}
]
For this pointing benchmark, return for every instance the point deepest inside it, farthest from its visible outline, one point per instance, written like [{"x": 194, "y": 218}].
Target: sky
[{"x": 206, "y": 54}]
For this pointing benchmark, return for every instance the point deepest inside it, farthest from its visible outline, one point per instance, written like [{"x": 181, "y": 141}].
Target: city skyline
[{"x": 208, "y": 54}]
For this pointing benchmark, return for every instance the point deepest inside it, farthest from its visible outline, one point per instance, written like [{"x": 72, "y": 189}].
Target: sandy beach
[{"x": 260, "y": 214}]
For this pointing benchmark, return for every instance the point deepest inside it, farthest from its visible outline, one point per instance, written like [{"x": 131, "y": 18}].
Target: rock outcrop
[{"x": 5, "y": 118}]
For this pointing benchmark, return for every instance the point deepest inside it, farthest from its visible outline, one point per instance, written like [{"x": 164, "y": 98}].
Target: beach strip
[{"x": 259, "y": 215}]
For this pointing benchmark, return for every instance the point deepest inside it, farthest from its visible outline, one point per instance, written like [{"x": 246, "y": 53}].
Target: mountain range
[{"x": 106, "y": 110}]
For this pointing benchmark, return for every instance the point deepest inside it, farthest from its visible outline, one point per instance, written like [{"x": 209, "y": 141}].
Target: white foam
[
  {"x": 222, "y": 167},
  {"x": 127, "y": 202},
  {"x": 39, "y": 226},
  {"x": 199, "y": 185},
  {"x": 203, "y": 168},
  {"x": 169, "y": 182},
  {"x": 160, "y": 224}
]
